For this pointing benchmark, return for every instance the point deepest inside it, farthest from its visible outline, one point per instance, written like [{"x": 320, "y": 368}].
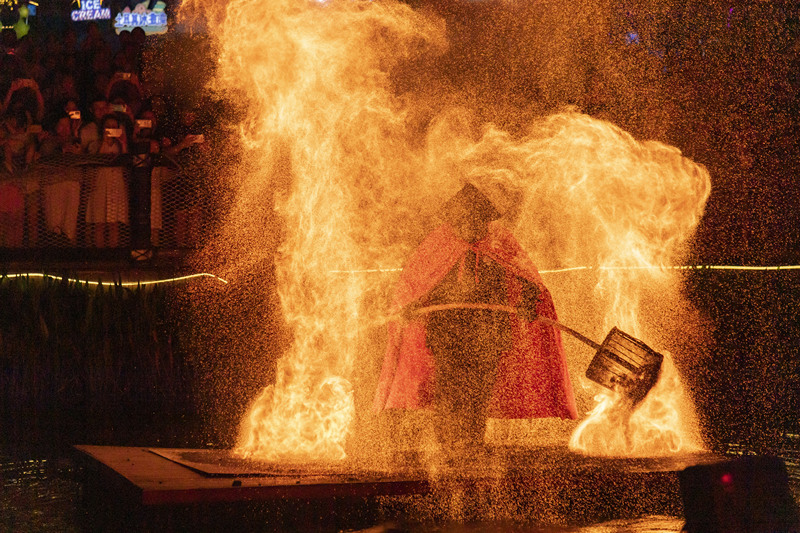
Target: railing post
[{"x": 141, "y": 169}]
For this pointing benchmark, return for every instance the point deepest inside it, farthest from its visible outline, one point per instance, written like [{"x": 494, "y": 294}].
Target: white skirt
[{"x": 108, "y": 199}]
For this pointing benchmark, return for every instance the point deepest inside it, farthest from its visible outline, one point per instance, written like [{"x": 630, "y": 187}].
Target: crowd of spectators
[{"x": 65, "y": 96}]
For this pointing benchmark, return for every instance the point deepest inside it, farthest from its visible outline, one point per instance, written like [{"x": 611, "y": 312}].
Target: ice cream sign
[
  {"x": 151, "y": 21},
  {"x": 91, "y": 10}
]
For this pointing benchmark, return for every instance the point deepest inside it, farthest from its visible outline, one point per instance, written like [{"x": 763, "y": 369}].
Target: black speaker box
[{"x": 749, "y": 494}]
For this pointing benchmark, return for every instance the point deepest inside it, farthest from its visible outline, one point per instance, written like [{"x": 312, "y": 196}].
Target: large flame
[
  {"x": 327, "y": 140},
  {"x": 353, "y": 139},
  {"x": 593, "y": 195}
]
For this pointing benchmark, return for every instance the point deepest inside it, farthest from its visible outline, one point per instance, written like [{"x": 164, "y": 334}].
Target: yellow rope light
[
  {"x": 676, "y": 267},
  {"x": 578, "y": 268},
  {"x": 386, "y": 270},
  {"x": 124, "y": 283}
]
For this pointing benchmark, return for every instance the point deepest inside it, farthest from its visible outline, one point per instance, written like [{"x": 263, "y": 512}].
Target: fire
[
  {"x": 661, "y": 425},
  {"x": 594, "y": 195},
  {"x": 345, "y": 167},
  {"x": 327, "y": 148}
]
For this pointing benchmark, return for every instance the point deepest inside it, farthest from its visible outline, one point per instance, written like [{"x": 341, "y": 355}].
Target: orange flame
[
  {"x": 663, "y": 424},
  {"x": 354, "y": 168},
  {"x": 593, "y": 195},
  {"x": 320, "y": 129}
]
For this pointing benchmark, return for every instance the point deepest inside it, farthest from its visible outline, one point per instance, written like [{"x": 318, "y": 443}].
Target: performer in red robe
[{"x": 468, "y": 344}]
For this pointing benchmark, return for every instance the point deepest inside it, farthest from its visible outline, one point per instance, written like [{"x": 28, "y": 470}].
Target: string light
[
  {"x": 676, "y": 267},
  {"x": 579, "y": 268},
  {"x": 761, "y": 268},
  {"x": 123, "y": 284},
  {"x": 365, "y": 271}
]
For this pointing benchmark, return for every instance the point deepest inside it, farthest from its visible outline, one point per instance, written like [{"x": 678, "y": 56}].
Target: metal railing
[{"x": 76, "y": 203}]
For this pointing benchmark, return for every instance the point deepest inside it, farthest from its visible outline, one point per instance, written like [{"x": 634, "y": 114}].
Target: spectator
[
  {"x": 138, "y": 39},
  {"x": 13, "y": 140},
  {"x": 107, "y": 205},
  {"x": 18, "y": 146},
  {"x": 147, "y": 143},
  {"x": 188, "y": 147},
  {"x": 144, "y": 132},
  {"x": 34, "y": 62},
  {"x": 47, "y": 75},
  {"x": 61, "y": 187},
  {"x": 90, "y": 129},
  {"x": 18, "y": 142},
  {"x": 124, "y": 88},
  {"x": 93, "y": 42},
  {"x": 24, "y": 93},
  {"x": 61, "y": 86},
  {"x": 65, "y": 135},
  {"x": 12, "y": 68}
]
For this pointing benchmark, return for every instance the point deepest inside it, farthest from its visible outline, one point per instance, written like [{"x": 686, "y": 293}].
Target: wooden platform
[
  {"x": 156, "y": 488},
  {"x": 150, "y": 478}
]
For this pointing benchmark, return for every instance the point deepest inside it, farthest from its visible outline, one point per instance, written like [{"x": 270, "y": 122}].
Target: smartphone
[
  {"x": 114, "y": 132},
  {"x": 125, "y": 75},
  {"x": 75, "y": 115},
  {"x": 144, "y": 123},
  {"x": 119, "y": 108}
]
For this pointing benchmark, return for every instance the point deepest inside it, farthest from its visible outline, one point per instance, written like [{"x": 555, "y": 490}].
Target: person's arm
[
  {"x": 174, "y": 149},
  {"x": 7, "y": 99},
  {"x": 89, "y": 135},
  {"x": 30, "y": 153},
  {"x": 39, "y": 99}
]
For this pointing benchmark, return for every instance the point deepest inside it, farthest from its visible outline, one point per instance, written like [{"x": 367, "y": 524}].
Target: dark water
[{"x": 44, "y": 494}]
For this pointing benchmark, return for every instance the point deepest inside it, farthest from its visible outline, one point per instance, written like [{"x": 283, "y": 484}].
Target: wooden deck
[
  {"x": 157, "y": 476},
  {"x": 166, "y": 489}
]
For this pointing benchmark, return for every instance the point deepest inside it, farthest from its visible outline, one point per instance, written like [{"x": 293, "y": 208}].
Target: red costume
[{"x": 531, "y": 380}]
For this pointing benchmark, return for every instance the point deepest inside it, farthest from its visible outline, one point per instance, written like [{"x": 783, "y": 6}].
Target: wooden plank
[
  {"x": 147, "y": 491},
  {"x": 151, "y": 479},
  {"x": 155, "y": 480}
]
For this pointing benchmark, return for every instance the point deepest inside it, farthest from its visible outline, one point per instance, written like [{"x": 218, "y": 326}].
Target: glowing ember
[{"x": 356, "y": 167}]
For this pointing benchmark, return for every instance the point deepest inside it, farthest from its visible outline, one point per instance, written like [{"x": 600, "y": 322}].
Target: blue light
[{"x": 631, "y": 38}]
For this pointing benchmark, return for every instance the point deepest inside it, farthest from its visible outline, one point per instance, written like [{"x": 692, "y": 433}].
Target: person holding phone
[
  {"x": 189, "y": 147},
  {"x": 90, "y": 132},
  {"x": 18, "y": 145},
  {"x": 64, "y": 136},
  {"x": 17, "y": 150},
  {"x": 146, "y": 143},
  {"x": 24, "y": 92},
  {"x": 17, "y": 141},
  {"x": 107, "y": 205},
  {"x": 61, "y": 187}
]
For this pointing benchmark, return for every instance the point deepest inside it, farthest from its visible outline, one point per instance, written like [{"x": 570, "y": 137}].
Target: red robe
[{"x": 532, "y": 377}]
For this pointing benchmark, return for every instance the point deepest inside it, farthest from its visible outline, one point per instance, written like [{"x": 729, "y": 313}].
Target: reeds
[{"x": 68, "y": 344}]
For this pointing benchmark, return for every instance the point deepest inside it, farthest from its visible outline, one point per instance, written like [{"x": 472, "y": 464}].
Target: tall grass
[{"x": 66, "y": 344}]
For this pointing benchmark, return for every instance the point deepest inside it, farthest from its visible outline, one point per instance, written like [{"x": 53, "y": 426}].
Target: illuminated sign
[
  {"x": 91, "y": 10},
  {"x": 151, "y": 21}
]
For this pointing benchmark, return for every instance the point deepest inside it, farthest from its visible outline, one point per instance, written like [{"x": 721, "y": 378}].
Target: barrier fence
[{"x": 77, "y": 201}]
